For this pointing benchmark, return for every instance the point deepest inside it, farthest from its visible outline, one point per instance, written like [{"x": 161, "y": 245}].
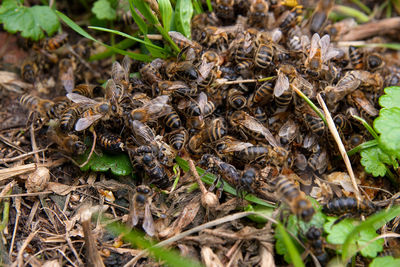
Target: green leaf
[
  {"x": 260, "y": 209},
  {"x": 138, "y": 20},
  {"x": 337, "y": 233},
  {"x": 391, "y": 98},
  {"x": 119, "y": 164},
  {"x": 372, "y": 249},
  {"x": 145, "y": 10},
  {"x": 290, "y": 246},
  {"x": 183, "y": 16},
  {"x": 166, "y": 13},
  {"x": 387, "y": 261},
  {"x": 31, "y": 22},
  {"x": 82, "y": 32},
  {"x": 374, "y": 159},
  {"x": 388, "y": 125},
  {"x": 103, "y": 10},
  {"x": 7, "y": 5},
  {"x": 210, "y": 178}
]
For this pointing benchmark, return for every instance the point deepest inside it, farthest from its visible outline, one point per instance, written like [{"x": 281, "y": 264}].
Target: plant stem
[
  {"x": 362, "y": 6},
  {"x": 367, "y": 126},
  {"x": 364, "y": 145},
  {"x": 391, "y": 177},
  {"x": 210, "y": 9},
  {"x": 310, "y": 103},
  {"x": 351, "y": 12}
]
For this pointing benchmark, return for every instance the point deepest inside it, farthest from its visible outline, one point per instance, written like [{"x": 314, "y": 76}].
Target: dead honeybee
[
  {"x": 216, "y": 129},
  {"x": 88, "y": 90},
  {"x": 316, "y": 243},
  {"x": 320, "y": 53},
  {"x": 252, "y": 153},
  {"x": 69, "y": 118},
  {"x": 288, "y": 132},
  {"x": 354, "y": 141},
  {"x": 374, "y": 62},
  {"x": 172, "y": 120},
  {"x": 150, "y": 72},
  {"x": 342, "y": 123},
  {"x": 119, "y": 83},
  {"x": 184, "y": 70},
  {"x": 176, "y": 88},
  {"x": 318, "y": 160},
  {"x": 110, "y": 142},
  {"x": 263, "y": 57},
  {"x": 348, "y": 207},
  {"x": 247, "y": 124},
  {"x": 224, "y": 9},
  {"x": 140, "y": 209},
  {"x": 35, "y": 103},
  {"x": 147, "y": 157},
  {"x": 260, "y": 115},
  {"x": 66, "y": 69},
  {"x": 183, "y": 43},
  {"x": 356, "y": 57},
  {"x": 94, "y": 111},
  {"x": 228, "y": 146},
  {"x": 243, "y": 49},
  {"x": 212, "y": 35},
  {"x": 55, "y": 42},
  {"x": 69, "y": 143},
  {"x": 289, "y": 18},
  {"x": 361, "y": 102},
  {"x": 196, "y": 142},
  {"x": 312, "y": 120},
  {"x": 290, "y": 194},
  {"x": 177, "y": 139},
  {"x": 346, "y": 85},
  {"x": 320, "y": 15},
  {"x": 29, "y": 70},
  {"x": 294, "y": 38},
  {"x": 236, "y": 99},
  {"x": 201, "y": 107},
  {"x": 262, "y": 94},
  {"x": 338, "y": 29},
  {"x": 152, "y": 110},
  {"x": 258, "y": 13}
]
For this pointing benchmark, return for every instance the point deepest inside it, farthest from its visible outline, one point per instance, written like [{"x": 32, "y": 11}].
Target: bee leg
[
  {"x": 92, "y": 149},
  {"x": 220, "y": 189},
  {"x": 215, "y": 183}
]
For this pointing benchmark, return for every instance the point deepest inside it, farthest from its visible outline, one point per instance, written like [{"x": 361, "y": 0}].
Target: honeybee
[
  {"x": 361, "y": 102},
  {"x": 294, "y": 40},
  {"x": 69, "y": 143},
  {"x": 29, "y": 69},
  {"x": 341, "y": 121},
  {"x": 196, "y": 143},
  {"x": 177, "y": 88},
  {"x": 146, "y": 157},
  {"x": 88, "y": 90},
  {"x": 214, "y": 36},
  {"x": 152, "y": 110},
  {"x": 42, "y": 106},
  {"x": 348, "y": 207},
  {"x": 316, "y": 242},
  {"x": 318, "y": 159},
  {"x": 374, "y": 61},
  {"x": 120, "y": 79},
  {"x": 202, "y": 107},
  {"x": 263, "y": 57},
  {"x": 150, "y": 71},
  {"x": 338, "y": 29},
  {"x": 320, "y": 53},
  {"x": 346, "y": 85},
  {"x": 55, "y": 42},
  {"x": 183, "y": 43},
  {"x": 249, "y": 177},
  {"x": 282, "y": 91},
  {"x": 286, "y": 190},
  {"x": 178, "y": 138},
  {"x": 289, "y": 18},
  {"x": 140, "y": 209},
  {"x": 320, "y": 15},
  {"x": 216, "y": 130},
  {"x": 249, "y": 125},
  {"x": 111, "y": 142},
  {"x": 252, "y": 153},
  {"x": 94, "y": 112},
  {"x": 356, "y": 57},
  {"x": 224, "y": 9},
  {"x": 288, "y": 132},
  {"x": 172, "y": 120},
  {"x": 66, "y": 69},
  {"x": 260, "y": 115},
  {"x": 354, "y": 141},
  {"x": 69, "y": 118},
  {"x": 236, "y": 99},
  {"x": 262, "y": 94},
  {"x": 258, "y": 13},
  {"x": 184, "y": 70},
  {"x": 227, "y": 146},
  {"x": 313, "y": 121}
]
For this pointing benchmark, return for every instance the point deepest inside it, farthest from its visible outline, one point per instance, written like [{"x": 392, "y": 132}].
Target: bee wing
[
  {"x": 332, "y": 52},
  {"x": 324, "y": 43},
  {"x": 148, "y": 223},
  {"x": 80, "y": 99},
  {"x": 117, "y": 72},
  {"x": 111, "y": 89},
  {"x": 314, "y": 45},
  {"x": 84, "y": 123},
  {"x": 68, "y": 80},
  {"x": 202, "y": 101},
  {"x": 143, "y": 131},
  {"x": 135, "y": 215},
  {"x": 252, "y": 124},
  {"x": 281, "y": 85},
  {"x": 204, "y": 70},
  {"x": 126, "y": 65},
  {"x": 288, "y": 130},
  {"x": 305, "y": 86},
  {"x": 237, "y": 146},
  {"x": 305, "y": 42},
  {"x": 364, "y": 103}
]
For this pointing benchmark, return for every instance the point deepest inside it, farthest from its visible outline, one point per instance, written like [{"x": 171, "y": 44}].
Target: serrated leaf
[
  {"x": 388, "y": 125},
  {"x": 373, "y": 248},
  {"x": 166, "y": 13},
  {"x": 391, "y": 98},
  {"x": 31, "y": 22},
  {"x": 374, "y": 159},
  {"x": 183, "y": 16},
  {"x": 103, "y": 10},
  {"x": 7, "y": 5},
  {"x": 337, "y": 233},
  {"x": 387, "y": 261}
]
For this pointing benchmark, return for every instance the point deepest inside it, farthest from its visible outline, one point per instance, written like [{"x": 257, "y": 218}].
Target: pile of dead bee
[{"x": 228, "y": 102}]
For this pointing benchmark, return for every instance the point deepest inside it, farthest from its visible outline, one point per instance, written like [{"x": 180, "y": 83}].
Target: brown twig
[
  {"x": 374, "y": 28},
  {"x": 8, "y": 142},
  {"x": 20, "y": 157},
  {"x": 20, "y": 258},
  {"x": 33, "y": 142},
  {"x": 91, "y": 150}
]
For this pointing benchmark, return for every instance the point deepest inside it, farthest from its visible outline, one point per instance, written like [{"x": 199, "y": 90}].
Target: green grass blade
[
  {"x": 166, "y": 13},
  {"x": 138, "y": 19},
  {"x": 376, "y": 221},
  {"x": 351, "y": 12},
  {"x": 210, "y": 178},
  {"x": 311, "y": 104},
  {"x": 183, "y": 16},
  {"x": 169, "y": 257},
  {"x": 148, "y": 44},
  {"x": 82, "y": 32},
  {"x": 145, "y": 10},
  {"x": 293, "y": 253},
  {"x": 124, "y": 44},
  {"x": 197, "y": 7},
  {"x": 209, "y": 5},
  {"x": 362, "y": 6},
  {"x": 367, "y": 126},
  {"x": 362, "y": 146}
]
